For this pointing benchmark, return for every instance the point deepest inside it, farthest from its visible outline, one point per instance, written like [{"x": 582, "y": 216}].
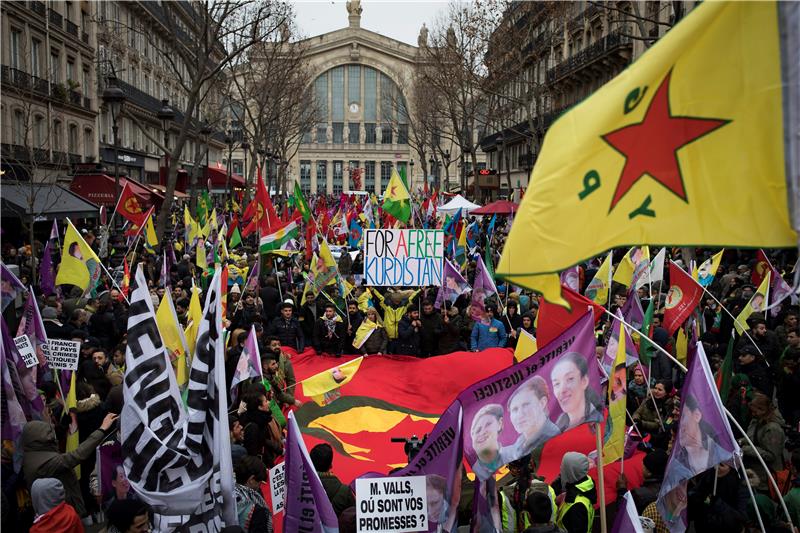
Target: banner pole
[
  {"x": 601, "y": 489},
  {"x": 750, "y": 491}
]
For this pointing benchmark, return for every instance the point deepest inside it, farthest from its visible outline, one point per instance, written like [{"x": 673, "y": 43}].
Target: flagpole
[
  {"x": 749, "y": 490},
  {"x": 735, "y": 320},
  {"x": 600, "y": 478},
  {"x": 114, "y": 282},
  {"x": 760, "y": 460},
  {"x": 610, "y": 275},
  {"x": 728, "y": 413}
]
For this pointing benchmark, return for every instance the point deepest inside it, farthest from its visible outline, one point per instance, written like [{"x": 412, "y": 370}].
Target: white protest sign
[
  {"x": 403, "y": 257},
  {"x": 277, "y": 487},
  {"x": 391, "y": 504},
  {"x": 63, "y": 355},
  {"x": 26, "y": 351}
]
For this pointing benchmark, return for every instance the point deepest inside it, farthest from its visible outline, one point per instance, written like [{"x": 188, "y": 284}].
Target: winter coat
[
  {"x": 42, "y": 459},
  {"x": 450, "y": 338},
  {"x": 340, "y": 495},
  {"x": 289, "y": 333},
  {"x": 768, "y": 436},
  {"x": 430, "y": 334},
  {"x": 354, "y": 321},
  {"x": 377, "y": 342},
  {"x": 308, "y": 319},
  {"x": 760, "y": 377},
  {"x": 333, "y": 344},
  {"x": 492, "y": 335},
  {"x": 646, "y": 417},
  {"x": 408, "y": 338}
]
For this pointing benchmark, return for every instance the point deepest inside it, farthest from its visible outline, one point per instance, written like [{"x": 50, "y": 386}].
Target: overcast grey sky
[{"x": 398, "y": 19}]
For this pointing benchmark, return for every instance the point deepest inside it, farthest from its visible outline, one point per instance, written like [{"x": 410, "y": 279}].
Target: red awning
[
  {"x": 101, "y": 189},
  {"x": 219, "y": 178},
  {"x": 500, "y": 207}
]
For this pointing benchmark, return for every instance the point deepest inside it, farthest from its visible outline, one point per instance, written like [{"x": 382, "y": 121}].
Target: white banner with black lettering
[{"x": 179, "y": 462}]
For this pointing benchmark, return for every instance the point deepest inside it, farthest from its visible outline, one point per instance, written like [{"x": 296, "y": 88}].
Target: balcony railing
[
  {"x": 55, "y": 18},
  {"x": 72, "y": 28},
  {"x": 85, "y": 37},
  {"x": 606, "y": 45},
  {"x": 75, "y": 98},
  {"x": 39, "y": 8},
  {"x": 60, "y": 158},
  {"x": 75, "y": 159},
  {"x": 87, "y": 102}
]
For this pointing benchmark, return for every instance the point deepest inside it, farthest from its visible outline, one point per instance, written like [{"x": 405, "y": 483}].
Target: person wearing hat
[
  {"x": 653, "y": 467},
  {"x": 752, "y": 365},
  {"x": 394, "y": 311},
  {"x": 52, "y": 326},
  {"x": 287, "y": 328},
  {"x": 576, "y": 511},
  {"x": 53, "y": 513}
]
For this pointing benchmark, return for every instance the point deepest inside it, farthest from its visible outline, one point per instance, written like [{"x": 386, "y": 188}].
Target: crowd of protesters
[{"x": 46, "y": 494}]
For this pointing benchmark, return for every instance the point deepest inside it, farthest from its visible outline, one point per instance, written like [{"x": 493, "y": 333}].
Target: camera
[{"x": 412, "y": 445}]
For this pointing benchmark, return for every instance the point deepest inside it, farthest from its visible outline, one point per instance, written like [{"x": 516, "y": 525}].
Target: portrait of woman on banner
[
  {"x": 571, "y": 387},
  {"x": 485, "y": 433}
]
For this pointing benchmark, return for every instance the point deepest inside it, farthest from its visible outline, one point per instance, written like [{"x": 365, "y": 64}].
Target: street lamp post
[
  {"x": 411, "y": 173},
  {"x": 446, "y": 158},
  {"x": 114, "y": 97},
  {"x": 245, "y": 149},
  {"x": 229, "y": 165},
  {"x": 206, "y": 131}
]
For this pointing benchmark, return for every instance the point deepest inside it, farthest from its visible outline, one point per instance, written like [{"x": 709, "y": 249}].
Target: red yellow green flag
[{"x": 649, "y": 156}]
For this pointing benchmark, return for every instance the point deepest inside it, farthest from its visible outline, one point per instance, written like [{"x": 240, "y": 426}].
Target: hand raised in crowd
[{"x": 108, "y": 421}]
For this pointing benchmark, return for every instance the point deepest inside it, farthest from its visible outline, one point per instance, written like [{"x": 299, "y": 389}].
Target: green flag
[
  {"x": 488, "y": 259},
  {"x": 203, "y": 208},
  {"x": 236, "y": 238},
  {"x": 725, "y": 374},
  {"x": 646, "y": 348},
  {"x": 301, "y": 203}
]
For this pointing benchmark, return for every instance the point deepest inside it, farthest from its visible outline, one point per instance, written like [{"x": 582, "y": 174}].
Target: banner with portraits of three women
[{"x": 515, "y": 411}]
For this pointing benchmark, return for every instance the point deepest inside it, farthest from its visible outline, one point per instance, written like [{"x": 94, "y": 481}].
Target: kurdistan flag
[
  {"x": 276, "y": 240},
  {"x": 651, "y": 155},
  {"x": 396, "y": 200}
]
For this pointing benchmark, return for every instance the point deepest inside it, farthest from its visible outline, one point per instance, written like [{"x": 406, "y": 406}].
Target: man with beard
[
  {"x": 279, "y": 373},
  {"x": 431, "y": 330},
  {"x": 329, "y": 333},
  {"x": 355, "y": 318}
]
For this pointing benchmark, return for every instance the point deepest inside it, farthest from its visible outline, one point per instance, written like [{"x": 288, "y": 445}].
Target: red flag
[
  {"x": 554, "y": 319},
  {"x": 128, "y": 206},
  {"x": 760, "y": 269},
  {"x": 260, "y": 213},
  {"x": 135, "y": 229},
  {"x": 683, "y": 296}
]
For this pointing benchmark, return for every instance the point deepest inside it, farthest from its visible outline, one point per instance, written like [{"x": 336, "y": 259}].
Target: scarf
[
  {"x": 363, "y": 332},
  {"x": 247, "y": 500},
  {"x": 330, "y": 323}
]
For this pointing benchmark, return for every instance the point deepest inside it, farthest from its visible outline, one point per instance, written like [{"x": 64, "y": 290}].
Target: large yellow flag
[
  {"x": 680, "y": 149},
  {"x": 79, "y": 266},
  {"x": 757, "y": 304},
  {"x": 323, "y": 388},
  {"x": 624, "y": 272},
  {"x": 195, "y": 315},
  {"x": 173, "y": 337},
  {"x": 192, "y": 230}
]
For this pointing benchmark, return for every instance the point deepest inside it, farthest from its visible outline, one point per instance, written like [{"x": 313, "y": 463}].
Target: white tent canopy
[{"x": 458, "y": 202}]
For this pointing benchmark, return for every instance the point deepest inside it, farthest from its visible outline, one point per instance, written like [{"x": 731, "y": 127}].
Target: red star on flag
[{"x": 651, "y": 146}]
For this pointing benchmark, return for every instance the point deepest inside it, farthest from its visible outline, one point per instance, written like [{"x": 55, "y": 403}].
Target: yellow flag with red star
[{"x": 682, "y": 148}]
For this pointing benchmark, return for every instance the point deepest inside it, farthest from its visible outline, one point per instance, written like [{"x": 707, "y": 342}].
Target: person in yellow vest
[
  {"x": 576, "y": 510},
  {"x": 394, "y": 311},
  {"x": 538, "y": 509}
]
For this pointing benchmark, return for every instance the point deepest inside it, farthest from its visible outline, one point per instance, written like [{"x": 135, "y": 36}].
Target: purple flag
[
  {"x": 249, "y": 365},
  {"x": 627, "y": 519},
  {"x": 779, "y": 290},
  {"x": 47, "y": 274},
  {"x": 439, "y": 460},
  {"x": 252, "y": 279},
  {"x": 10, "y": 286},
  {"x": 307, "y": 505},
  {"x": 704, "y": 439},
  {"x": 508, "y": 415},
  {"x": 631, "y": 354},
  {"x": 632, "y": 311},
  {"x": 30, "y": 400},
  {"x": 11, "y": 411},
  {"x": 454, "y": 285},
  {"x": 31, "y": 325},
  {"x": 164, "y": 281},
  {"x": 481, "y": 289},
  {"x": 571, "y": 278}
]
